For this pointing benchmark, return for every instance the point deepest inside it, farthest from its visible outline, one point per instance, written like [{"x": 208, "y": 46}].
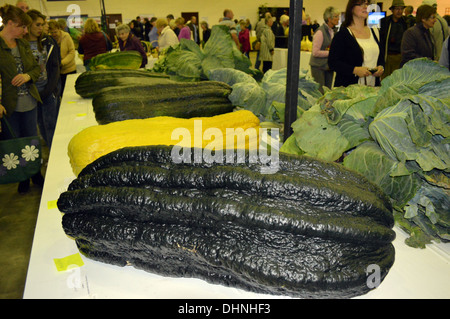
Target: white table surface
[
  {"x": 280, "y": 59},
  {"x": 416, "y": 273}
]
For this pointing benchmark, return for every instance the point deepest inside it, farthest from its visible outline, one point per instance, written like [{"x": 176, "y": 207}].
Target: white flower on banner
[
  {"x": 10, "y": 161},
  {"x": 30, "y": 153}
]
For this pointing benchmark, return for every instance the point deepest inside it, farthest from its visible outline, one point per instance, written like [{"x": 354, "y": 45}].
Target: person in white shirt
[{"x": 167, "y": 36}]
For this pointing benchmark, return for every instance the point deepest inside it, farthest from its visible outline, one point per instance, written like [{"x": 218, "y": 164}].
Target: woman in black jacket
[
  {"x": 355, "y": 53},
  {"x": 46, "y": 53}
]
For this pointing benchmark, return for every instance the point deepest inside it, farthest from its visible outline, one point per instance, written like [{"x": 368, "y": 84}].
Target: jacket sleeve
[
  {"x": 338, "y": 55},
  {"x": 70, "y": 51},
  {"x": 408, "y": 46},
  {"x": 32, "y": 67},
  {"x": 137, "y": 45},
  {"x": 80, "y": 47},
  {"x": 53, "y": 72}
]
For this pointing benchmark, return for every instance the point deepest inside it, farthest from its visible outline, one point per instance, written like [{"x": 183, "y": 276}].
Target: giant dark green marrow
[
  {"x": 182, "y": 100},
  {"x": 117, "y": 60},
  {"x": 89, "y": 83},
  {"x": 310, "y": 229}
]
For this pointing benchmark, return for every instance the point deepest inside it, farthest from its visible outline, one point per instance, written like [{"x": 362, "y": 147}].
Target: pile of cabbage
[{"x": 187, "y": 61}]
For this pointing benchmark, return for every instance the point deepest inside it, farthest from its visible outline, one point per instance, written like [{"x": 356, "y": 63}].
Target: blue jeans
[
  {"x": 47, "y": 114},
  {"x": 23, "y": 124}
]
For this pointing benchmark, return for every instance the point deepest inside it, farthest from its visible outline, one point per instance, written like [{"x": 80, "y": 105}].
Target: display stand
[{"x": 416, "y": 273}]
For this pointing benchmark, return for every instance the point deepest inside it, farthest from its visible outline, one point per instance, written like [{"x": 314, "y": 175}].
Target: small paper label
[{"x": 63, "y": 264}]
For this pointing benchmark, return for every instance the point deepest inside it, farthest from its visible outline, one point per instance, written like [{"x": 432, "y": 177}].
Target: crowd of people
[
  {"x": 357, "y": 53},
  {"x": 37, "y": 55},
  {"x": 31, "y": 73}
]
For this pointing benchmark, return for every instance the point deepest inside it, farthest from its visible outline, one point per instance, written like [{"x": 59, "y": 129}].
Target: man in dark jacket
[
  {"x": 192, "y": 24},
  {"x": 392, "y": 28}
]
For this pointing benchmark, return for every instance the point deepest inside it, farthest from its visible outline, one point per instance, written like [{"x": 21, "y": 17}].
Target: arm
[
  {"x": 236, "y": 40},
  {"x": 53, "y": 71},
  {"x": 341, "y": 58},
  {"x": 408, "y": 46},
  {"x": 70, "y": 56},
  {"x": 317, "y": 44},
  {"x": 140, "y": 49},
  {"x": 271, "y": 43},
  {"x": 444, "y": 54},
  {"x": 80, "y": 46},
  {"x": 31, "y": 67}
]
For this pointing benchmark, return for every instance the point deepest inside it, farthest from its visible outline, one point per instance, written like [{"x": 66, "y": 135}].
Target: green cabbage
[
  {"x": 188, "y": 61},
  {"x": 398, "y": 136}
]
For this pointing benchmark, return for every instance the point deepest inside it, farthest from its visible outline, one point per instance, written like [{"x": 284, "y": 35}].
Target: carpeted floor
[{"x": 18, "y": 215}]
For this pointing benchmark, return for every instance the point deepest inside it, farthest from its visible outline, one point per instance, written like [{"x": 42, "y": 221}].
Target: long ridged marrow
[
  {"x": 89, "y": 83},
  {"x": 311, "y": 229},
  {"x": 182, "y": 100}
]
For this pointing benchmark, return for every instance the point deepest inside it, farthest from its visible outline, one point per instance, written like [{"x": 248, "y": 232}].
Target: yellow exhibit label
[
  {"x": 52, "y": 204},
  {"x": 72, "y": 261}
]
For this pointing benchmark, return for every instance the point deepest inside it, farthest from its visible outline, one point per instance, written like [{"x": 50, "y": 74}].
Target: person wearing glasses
[
  {"x": 355, "y": 53},
  {"x": 418, "y": 42}
]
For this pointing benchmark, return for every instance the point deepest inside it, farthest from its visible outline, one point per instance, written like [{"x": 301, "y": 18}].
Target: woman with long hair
[
  {"x": 46, "y": 52},
  {"x": 93, "y": 42},
  {"x": 355, "y": 53},
  {"x": 18, "y": 71}
]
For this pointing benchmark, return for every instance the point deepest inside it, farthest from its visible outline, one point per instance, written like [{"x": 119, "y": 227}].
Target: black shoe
[
  {"x": 24, "y": 187},
  {"x": 38, "y": 179}
]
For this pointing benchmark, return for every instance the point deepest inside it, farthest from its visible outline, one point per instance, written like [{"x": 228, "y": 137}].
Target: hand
[
  {"x": 361, "y": 71},
  {"x": 380, "y": 71},
  {"x": 20, "y": 79}
]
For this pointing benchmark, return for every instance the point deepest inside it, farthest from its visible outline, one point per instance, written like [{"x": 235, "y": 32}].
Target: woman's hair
[
  {"x": 329, "y": 13},
  {"x": 122, "y": 27},
  {"x": 54, "y": 25},
  {"x": 161, "y": 22},
  {"x": 34, "y": 15},
  {"x": 348, "y": 17},
  {"x": 424, "y": 12},
  {"x": 179, "y": 21},
  {"x": 204, "y": 23},
  {"x": 90, "y": 26},
  {"x": 9, "y": 12}
]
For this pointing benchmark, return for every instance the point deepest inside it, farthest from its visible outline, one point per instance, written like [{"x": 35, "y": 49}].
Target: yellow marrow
[{"x": 213, "y": 132}]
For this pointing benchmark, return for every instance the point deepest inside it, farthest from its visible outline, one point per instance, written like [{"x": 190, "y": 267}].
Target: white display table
[
  {"x": 416, "y": 273},
  {"x": 280, "y": 59}
]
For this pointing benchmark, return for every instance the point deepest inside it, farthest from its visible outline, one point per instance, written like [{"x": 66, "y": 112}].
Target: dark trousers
[
  {"x": 267, "y": 65},
  {"x": 63, "y": 82},
  {"x": 23, "y": 124}
]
